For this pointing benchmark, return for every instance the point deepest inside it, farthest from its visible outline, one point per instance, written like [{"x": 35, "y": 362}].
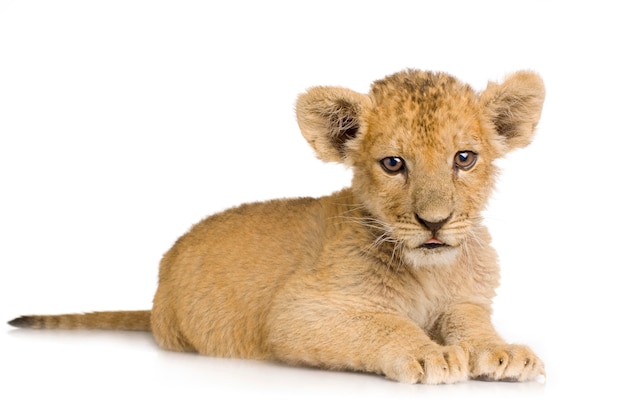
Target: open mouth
[
  {"x": 431, "y": 246},
  {"x": 433, "y": 243}
]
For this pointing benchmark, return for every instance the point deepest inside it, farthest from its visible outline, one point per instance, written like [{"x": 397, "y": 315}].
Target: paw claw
[
  {"x": 431, "y": 365},
  {"x": 505, "y": 362}
]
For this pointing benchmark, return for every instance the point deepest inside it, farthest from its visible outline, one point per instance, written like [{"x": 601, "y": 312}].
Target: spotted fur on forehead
[
  {"x": 417, "y": 85},
  {"x": 411, "y": 93},
  {"x": 423, "y": 105}
]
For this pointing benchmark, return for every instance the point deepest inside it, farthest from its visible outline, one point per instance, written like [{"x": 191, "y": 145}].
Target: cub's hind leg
[{"x": 165, "y": 328}]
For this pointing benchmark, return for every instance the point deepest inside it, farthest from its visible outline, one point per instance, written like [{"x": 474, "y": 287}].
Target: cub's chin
[{"x": 431, "y": 255}]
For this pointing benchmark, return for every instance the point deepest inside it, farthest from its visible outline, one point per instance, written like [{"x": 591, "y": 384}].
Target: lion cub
[{"x": 394, "y": 275}]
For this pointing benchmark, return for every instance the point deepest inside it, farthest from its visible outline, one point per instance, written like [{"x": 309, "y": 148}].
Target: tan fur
[{"x": 345, "y": 281}]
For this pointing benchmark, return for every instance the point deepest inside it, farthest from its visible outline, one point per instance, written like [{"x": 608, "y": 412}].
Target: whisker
[{"x": 383, "y": 233}]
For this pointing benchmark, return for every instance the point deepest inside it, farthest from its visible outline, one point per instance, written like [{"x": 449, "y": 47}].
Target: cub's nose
[{"x": 432, "y": 226}]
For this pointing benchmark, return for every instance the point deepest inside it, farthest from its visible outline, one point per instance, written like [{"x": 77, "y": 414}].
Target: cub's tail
[{"x": 120, "y": 320}]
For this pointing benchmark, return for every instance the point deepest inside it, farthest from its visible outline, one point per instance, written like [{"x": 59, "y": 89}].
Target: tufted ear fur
[
  {"x": 514, "y": 107},
  {"x": 329, "y": 117}
]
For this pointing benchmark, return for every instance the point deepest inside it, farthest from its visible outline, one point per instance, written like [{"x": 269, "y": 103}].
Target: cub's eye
[
  {"x": 465, "y": 160},
  {"x": 392, "y": 165}
]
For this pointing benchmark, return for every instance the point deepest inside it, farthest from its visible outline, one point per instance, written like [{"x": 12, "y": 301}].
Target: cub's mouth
[
  {"x": 431, "y": 252},
  {"x": 432, "y": 246},
  {"x": 434, "y": 243}
]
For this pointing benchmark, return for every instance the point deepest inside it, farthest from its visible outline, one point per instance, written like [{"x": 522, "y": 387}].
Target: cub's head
[{"x": 422, "y": 147}]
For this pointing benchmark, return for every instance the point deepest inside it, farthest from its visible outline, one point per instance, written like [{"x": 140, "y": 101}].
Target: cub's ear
[
  {"x": 330, "y": 117},
  {"x": 514, "y": 107}
]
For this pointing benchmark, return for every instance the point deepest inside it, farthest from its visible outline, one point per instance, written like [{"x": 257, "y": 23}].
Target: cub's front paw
[
  {"x": 430, "y": 365},
  {"x": 507, "y": 362}
]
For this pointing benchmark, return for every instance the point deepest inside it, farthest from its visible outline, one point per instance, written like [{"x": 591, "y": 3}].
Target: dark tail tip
[{"x": 23, "y": 322}]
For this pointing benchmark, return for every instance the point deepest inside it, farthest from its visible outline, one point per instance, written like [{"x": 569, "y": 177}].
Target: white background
[{"x": 122, "y": 123}]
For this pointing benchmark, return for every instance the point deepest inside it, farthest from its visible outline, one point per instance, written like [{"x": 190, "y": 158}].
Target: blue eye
[
  {"x": 465, "y": 159},
  {"x": 392, "y": 165}
]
